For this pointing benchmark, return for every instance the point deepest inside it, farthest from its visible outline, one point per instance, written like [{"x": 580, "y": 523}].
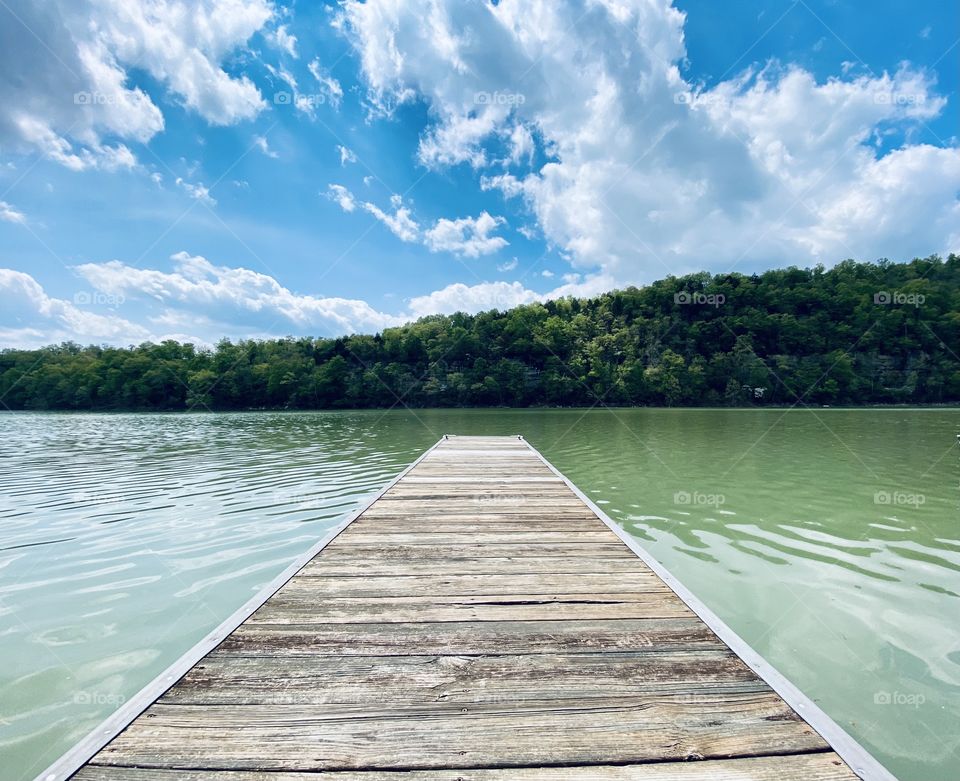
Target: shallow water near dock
[{"x": 829, "y": 539}]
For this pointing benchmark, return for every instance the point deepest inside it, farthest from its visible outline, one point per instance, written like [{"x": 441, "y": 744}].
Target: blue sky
[{"x": 241, "y": 168}]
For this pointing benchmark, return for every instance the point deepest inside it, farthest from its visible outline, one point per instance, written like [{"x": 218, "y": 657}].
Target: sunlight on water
[{"x": 828, "y": 539}]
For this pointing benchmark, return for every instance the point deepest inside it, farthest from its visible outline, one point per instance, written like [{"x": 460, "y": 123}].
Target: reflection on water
[{"x": 828, "y": 539}]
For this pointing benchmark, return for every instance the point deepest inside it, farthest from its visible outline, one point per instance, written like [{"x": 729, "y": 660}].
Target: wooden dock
[{"x": 481, "y": 621}]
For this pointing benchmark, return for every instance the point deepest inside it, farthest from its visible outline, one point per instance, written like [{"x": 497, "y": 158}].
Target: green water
[{"x": 828, "y": 539}]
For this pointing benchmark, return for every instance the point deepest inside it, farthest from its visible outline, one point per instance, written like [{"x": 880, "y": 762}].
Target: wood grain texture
[
  {"x": 359, "y": 564},
  {"x": 477, "y": 622},
  {"x": 825, "y": 766},
  {"x": 325, "y": 586},
  {"x": 286, "y": 608},
  {"x": 440, "y": 735},
  {"x": 223, "y": 679},
  {"x": 471, "y": 639}
]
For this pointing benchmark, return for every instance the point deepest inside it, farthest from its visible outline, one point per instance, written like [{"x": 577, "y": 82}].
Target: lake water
[{"x": 828, "y": 539}]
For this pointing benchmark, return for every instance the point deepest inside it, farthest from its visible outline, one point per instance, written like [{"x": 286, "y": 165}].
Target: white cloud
[
  {"x": 546, "y": 273},
  {"x": 510, "y": 265},
  {"x": 346, "y": 156},
  {"x": 646, "y": 173},
  {"x": 9, "y": 214},
  {"x": 400, "y": 221},
  {"x": 472, "y": 298},
  {"x": 468, "y": 236},
  {"x": 197, "y": 191},
  {"x": 330, "y": 90},
  {"x": 284, "y": 40},
  {"x": 200, "y": 302},
  {"x": 64, "y": 81},
  {"x": 482, "y": 296},
  {"x": 261, "y": 143},
  {"x": 342, "y": 197},
  {"x": 31, "y": 318},
  {"x": 183, "y": 45},
  {"x": 230, "y": 300}
]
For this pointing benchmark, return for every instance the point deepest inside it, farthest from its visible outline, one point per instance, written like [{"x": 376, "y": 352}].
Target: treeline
[{"x": 859, "y": 333}]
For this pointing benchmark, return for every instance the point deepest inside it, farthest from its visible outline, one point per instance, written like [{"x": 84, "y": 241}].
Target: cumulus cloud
[
  {"x": 482, "y": 296},
  {"x": 231, "y": 299},
  {"x": 646, "y": 173},
  {"x": 467, "y": 236},
  {"x": 201, "y": 302},
  {"x": 31, "y": 318},
  {"x": 9, "y": 214},
  {"x": 459, "y": 297},
  {"x": 64, "y": 80},
  {"x": 197, "y": 191},
  {"x": 260, "y": 142},
  {"x": 346, "y": 155},
  {"x": 342, "y": 197},
  {"x": 399, "y": 221}
]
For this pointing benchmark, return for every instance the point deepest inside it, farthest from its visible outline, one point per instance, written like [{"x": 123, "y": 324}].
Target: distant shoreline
[
  {"x": 859, "y": 335},
  {"x": 540, "y": 408}
]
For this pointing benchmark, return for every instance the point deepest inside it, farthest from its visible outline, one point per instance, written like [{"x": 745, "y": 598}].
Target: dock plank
[
  {"x": 809, "y": 767},
  {"x": 467, "y": 638},
  {"x": 223, "y": 679},
  {"x": 477, "y": 622},
  {"x": 320, "y": 584},
  {"x": 438, "y": 735}
]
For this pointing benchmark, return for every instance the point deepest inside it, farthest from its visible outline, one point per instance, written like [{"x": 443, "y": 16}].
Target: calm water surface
[{"x": 829, "y": 539}]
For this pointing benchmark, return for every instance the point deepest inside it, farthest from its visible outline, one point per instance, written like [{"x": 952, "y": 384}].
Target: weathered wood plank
[
  {"x": 319, "y": 585},
  {"x": 526, "y": 481},
  {"x": 223, "y": 679},
  {"x": 517, "y": 536},
  {"x": 300, "y": 608},
  {"x": 338, "y": 549},
  {"x": 465, "y": 525},
  {"x": 654, "y": 728},
  {"x": 353, "y": 564},
  {"x": 516, "y": 637},
  {"x": 518, "y": 515},
  {"x": 825, "y": 766}
]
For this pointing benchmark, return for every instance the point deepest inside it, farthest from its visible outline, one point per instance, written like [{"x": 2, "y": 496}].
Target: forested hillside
[{"x": 855, "y": 334}]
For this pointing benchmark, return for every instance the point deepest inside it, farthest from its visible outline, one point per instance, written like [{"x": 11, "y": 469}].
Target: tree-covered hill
[{"x": 858, "y": 333}]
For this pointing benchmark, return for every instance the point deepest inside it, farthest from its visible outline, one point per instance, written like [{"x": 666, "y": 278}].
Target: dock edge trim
[
  {"x": 861, "y": 761},
  {"x": 81, "y": 753}
]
